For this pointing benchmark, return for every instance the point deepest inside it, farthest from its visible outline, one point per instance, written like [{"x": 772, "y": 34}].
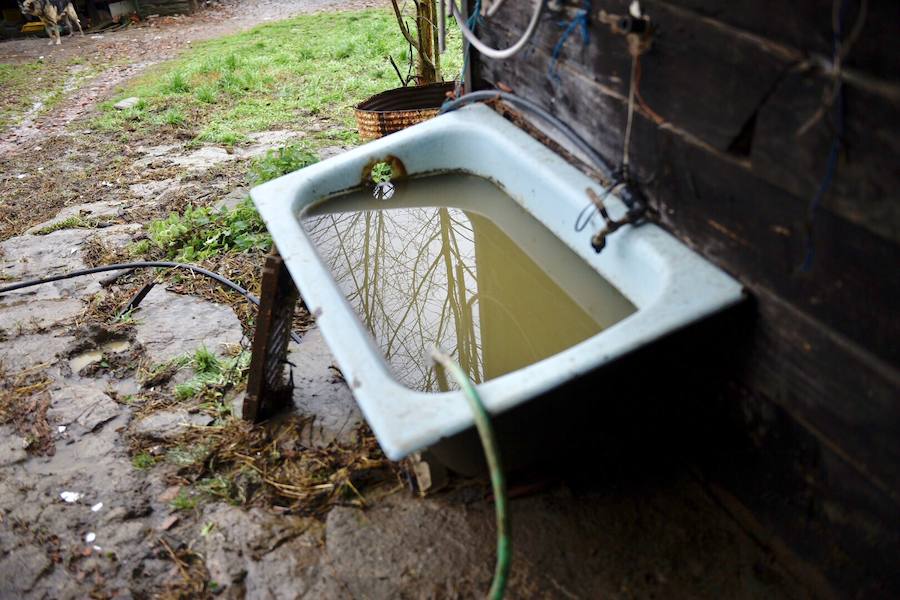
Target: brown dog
[{"x": 50, "y": 12}]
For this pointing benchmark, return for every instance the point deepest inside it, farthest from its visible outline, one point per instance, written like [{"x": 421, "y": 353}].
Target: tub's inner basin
[{"x": 450, "y": 260}]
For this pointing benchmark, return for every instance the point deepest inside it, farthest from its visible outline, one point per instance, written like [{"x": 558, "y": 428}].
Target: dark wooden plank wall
[
  {"x": 167, "y": 7},
  {"x": 816, "y": 391}
]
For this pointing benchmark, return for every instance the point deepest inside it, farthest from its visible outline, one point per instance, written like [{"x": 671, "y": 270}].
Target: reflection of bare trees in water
[{"x": 410, "y": 275}]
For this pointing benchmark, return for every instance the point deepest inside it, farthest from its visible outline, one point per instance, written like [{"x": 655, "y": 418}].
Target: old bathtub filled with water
[{"x": 473, "y": 248}]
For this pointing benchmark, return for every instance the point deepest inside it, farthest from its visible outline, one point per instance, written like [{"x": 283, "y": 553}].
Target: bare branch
[{"x": 403, "y": 28}]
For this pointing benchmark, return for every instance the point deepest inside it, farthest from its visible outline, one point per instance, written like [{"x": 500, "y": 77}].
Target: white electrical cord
[
  {"x": 494, "y": 52},
  {"x": 494, "y": 7}
]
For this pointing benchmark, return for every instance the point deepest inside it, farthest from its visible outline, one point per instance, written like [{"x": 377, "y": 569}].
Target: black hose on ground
[{"x": 139, "y": 265}]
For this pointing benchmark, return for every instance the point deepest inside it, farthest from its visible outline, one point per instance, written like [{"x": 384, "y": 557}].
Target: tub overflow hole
[{"x": 382, "y": 173}]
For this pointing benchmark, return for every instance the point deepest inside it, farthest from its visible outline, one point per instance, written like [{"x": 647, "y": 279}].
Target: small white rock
[
  {"x": 90, "y": 537},
  {"x": 97, "y": 507},
  {"x": 61, "y": 429},
  {"x": 70, "y": 497},
  {"x": 127, "y": 103}
]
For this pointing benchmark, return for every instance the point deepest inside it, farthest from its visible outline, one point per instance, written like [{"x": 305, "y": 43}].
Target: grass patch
[
  {"x": 172, "y": 117},
  {"x": 212, "y": 377},
  {"x": 160, "y": 373},
  {"x": 273, "y": 76},
  {"x": 185, "y": 500},
  {"x": 142, "y": 460}
]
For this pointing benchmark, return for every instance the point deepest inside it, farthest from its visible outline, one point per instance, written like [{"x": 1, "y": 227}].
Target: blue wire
[
  {"x": 830, "y": 171},
  {"x": 833, "y": 153},
  {"x": 581, "y": 19},
  {"x": 472, "y": 22}
]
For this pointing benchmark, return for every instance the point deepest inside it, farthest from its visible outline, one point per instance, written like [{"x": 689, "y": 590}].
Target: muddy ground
[{"x": 112, "y": 487}]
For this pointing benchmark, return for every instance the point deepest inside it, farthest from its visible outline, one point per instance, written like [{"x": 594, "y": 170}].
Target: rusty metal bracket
[{"x": 267, "y": 389}]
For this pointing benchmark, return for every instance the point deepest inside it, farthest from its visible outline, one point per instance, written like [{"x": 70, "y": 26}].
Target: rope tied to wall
[{"x": 581, "y": 21}]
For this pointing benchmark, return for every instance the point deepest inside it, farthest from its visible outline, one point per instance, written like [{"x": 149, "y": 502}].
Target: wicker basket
[{"x": 400, "y": 108}]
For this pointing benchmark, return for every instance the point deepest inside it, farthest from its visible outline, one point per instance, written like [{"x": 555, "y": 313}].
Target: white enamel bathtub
[{"x": 670, "y": 285}]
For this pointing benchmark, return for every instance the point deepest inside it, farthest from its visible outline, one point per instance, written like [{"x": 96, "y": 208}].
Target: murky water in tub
[{"x": 450, "y": 260}]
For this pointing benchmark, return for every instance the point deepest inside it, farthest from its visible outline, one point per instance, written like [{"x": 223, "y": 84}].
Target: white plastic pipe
[{"x": 494, "y": 52}]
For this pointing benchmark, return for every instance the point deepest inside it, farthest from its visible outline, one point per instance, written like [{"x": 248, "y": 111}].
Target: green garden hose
[{"x": 492, "y": 453}]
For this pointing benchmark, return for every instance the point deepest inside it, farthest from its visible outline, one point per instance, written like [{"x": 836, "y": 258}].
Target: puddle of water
[
  {"x": 84, "y": 359},
  {"x": 450, "y": 260}
]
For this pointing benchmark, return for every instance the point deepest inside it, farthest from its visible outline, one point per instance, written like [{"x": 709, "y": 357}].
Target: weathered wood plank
[
  {"x": 757, "y": 232},
  {"x": 835, "y": 389},
  {"x": 806, "y": 26},
  {"x": 747, "y": 225},
  {"x": 738, "y": 71},
  {"x": 813, "y": 387},
  {"x": 819, "y": 505},
  {"x": 865, "y": 189},
  {"x": 753, "y": 229}
]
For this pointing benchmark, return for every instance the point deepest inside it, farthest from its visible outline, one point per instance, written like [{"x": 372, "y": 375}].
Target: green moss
[
  {"x": 70, "y": 223},
  {"x": 142, "y": 460},
  {"x": 185, "y": 500}
]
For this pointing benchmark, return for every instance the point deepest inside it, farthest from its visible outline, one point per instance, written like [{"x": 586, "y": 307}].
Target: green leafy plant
[
  {"x": 282, "y": 161},
  {"x": 382, "y": 172},
  {"x": 201, "y": 232}
]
